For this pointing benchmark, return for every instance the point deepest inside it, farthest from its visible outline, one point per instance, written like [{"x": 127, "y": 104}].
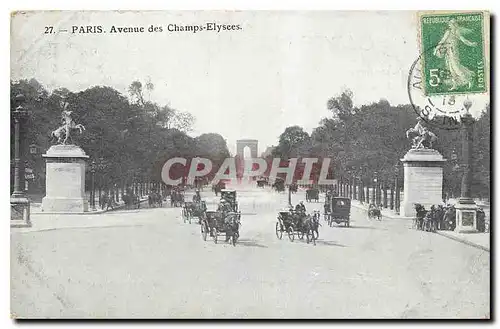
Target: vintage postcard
[{"x": 250, "y": 165}]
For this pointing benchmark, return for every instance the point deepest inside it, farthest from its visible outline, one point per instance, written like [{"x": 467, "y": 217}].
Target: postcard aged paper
[{"x": 250, "y": 164}]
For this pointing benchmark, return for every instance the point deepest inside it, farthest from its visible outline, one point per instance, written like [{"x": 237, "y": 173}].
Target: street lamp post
[
  {"x": 384, "y": 191},
  {"x": 355, "y": 185},
  {"x": 19, "y": 203},
  {"x": 92, "y": 185},
  {"x": 466, "y": 207},
  {"x": 396, "y": 191},
  {"x": 374, "y": 192},
  {"x": 361, "y": 185}
]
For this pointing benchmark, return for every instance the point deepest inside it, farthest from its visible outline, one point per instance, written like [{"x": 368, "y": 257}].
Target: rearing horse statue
[
  {"x": 420, "y": 136},
  {"x": 63, "y": 133}
]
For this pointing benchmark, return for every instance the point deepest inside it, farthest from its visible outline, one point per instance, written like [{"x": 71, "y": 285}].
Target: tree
[
  {"x": 293, "y": 142},
  {"x": 135, "y": 91}
]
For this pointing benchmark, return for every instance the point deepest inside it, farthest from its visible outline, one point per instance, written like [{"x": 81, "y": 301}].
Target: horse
[
  {"x": 279, "y": 186},
  {"x": 428, "y": 138},
  {"x": 424, "y": 139},
  {"x": 310, "y": 227},
  {"x": 315, "y": 223},
  {"x": 419, "y": 219},
  {"x": 62, "y": 134},
  {"x": 232, "y": 227}
]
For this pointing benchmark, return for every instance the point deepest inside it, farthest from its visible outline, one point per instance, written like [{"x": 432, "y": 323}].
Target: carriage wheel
[
  {"x": 291, "y": 234},
  {"x": 300, "y": 234},
  {"x": 214, "y": 232},
  {"x": 279, "y": 231}
]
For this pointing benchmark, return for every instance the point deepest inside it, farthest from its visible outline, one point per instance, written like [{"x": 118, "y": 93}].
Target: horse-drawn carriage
[
  {"x": 338, "y": 210},
  {"x": 279, "y": 185},
  {"x": 230, "y": 196},
  {"x": 176, "y": 198},
  {"x": 194, "y": 209},
  {"x": 217, "y": 188},
  {"x": 131, "y": 200},
  {"x": 312, "y": 194},
  {"x": 374, "y": 212},
  {"x": 218, "y": 223},
  {"x": 262, "y": 182},
  {"x": 297, "y": 223},
  {"x": 155, "y": 200}
]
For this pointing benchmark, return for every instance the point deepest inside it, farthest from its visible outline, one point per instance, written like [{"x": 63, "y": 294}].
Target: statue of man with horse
[
  {"x": 63, "y": 133},
  {"x": 421, "y": 136}
]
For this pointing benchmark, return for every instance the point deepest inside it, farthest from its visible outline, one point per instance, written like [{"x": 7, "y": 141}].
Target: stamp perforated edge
[{"x": 485, "y": 38}]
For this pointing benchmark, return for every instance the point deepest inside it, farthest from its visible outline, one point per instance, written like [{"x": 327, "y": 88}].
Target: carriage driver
[
  {"x": 300, "y": 207},
  {"x": 224, "y": 207},
  {"x": 197, "y": 197}
]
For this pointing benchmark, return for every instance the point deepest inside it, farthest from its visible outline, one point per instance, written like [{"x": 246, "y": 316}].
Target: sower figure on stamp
[
  {"x": 63, "y": 133},
  {"x": 448, "y": 48}
]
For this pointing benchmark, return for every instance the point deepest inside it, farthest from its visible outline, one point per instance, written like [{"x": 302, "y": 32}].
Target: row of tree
[
  {"x": 371, "y": 138},
  {"x": 128, "y": 138}
]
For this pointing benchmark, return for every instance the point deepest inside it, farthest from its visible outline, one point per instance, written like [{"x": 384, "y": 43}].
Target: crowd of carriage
[
  {"x": 225, "y": 220},
  {"x": 132, "y": 200}
]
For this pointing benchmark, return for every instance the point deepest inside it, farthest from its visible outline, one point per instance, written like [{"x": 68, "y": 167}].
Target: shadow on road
[
  {"x": 362, "y": 227},
  {"x": 250, "y": 243},
  {"x": 330, "y": 243}
]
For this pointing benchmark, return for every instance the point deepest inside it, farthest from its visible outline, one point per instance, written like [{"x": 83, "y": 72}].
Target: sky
[{"x": 278, "y": 70}]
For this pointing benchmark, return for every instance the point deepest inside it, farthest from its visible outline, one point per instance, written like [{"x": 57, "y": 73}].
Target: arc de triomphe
[{"x": 251, "y": 143}]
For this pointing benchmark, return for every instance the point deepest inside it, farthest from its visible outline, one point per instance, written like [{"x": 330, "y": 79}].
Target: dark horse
[
  {"x": 419, "y": 219},
  {"x": 279, "y": 186}
]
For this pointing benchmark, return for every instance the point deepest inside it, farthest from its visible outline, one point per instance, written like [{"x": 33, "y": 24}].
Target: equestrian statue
[
  {"x": 63, "y": 133},
  {"x": 421, "y": 136}
]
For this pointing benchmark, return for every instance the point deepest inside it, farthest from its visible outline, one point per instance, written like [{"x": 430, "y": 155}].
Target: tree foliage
[
  {"x": 130, "y": 138},
  {"x": 371, "y": 138}
]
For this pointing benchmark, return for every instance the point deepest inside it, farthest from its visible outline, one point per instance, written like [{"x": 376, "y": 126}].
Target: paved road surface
[{"x": 149, "y": 264}]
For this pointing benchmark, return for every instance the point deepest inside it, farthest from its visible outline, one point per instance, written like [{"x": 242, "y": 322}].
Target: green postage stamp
[{"x": 454, "y": 52}]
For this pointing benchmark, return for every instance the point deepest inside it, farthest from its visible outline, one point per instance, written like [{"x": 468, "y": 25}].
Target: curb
[
  {"x": 97, "y": 212},
  {"x": 464, "y": 241},
  {"x": 384, "y": 214}
]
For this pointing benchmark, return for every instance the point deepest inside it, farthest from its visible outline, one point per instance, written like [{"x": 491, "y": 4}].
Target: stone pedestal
[
  {"x": 423, "y": 180},
  {"x": 19, "y": 212},
  {"x": 466, "y": 211},
  {"x": 65, "y": 180}
]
